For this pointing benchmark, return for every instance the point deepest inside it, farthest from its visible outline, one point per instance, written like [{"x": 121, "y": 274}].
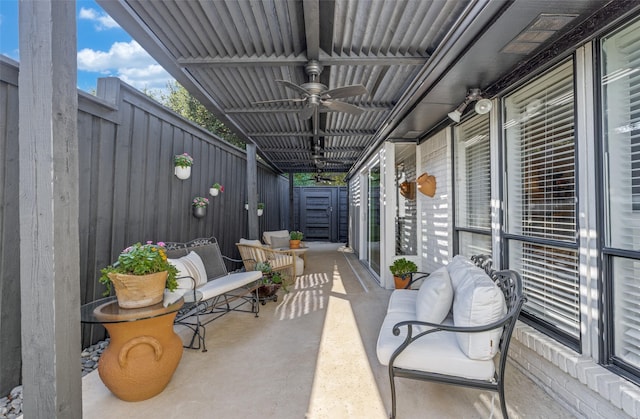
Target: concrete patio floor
[{"x": 311, "y": 354}]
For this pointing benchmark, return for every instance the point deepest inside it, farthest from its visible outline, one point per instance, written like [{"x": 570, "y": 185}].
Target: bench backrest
[{"x": 207, "y": 249}]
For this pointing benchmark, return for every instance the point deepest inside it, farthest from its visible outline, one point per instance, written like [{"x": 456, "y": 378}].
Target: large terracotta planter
[
  {"x": 135, "y": 291},
  {"x": 141, "y": 357}
]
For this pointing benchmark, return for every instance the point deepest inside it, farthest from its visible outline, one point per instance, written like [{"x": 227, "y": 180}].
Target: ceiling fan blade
[
  {"x": 345, "y": 91},
  {"x": 295, "y": 87},
  {"x": 262, "y": 102},
  {"x": 307, "y": 111},
  {"x": 342, "y": 107}
]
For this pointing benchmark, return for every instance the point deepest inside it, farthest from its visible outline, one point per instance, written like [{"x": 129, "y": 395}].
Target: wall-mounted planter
[
  {"x": 260, "y": 211},
  {"x": 199, "y": 212},
  {"x": 213, "y": 191},
  {"x": 182, "y": 173}
]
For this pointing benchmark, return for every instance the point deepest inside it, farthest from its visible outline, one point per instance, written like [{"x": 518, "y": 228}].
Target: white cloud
[
  {"x": 102, "y": 21},
  {"x": 127, "y": 61}
]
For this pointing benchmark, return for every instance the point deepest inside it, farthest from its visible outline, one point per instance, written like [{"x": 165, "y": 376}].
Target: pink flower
[
  {"x": 161, "y": 244},
  {"x": 149, "y": 242}
]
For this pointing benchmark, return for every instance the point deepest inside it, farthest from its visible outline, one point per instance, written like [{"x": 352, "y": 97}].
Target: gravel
[{"x": 11, "y": 404}]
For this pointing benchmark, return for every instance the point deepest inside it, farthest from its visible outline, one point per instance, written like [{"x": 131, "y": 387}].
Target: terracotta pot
[
  {"x": 294, "y": 244},
  {"x": 141, "y": 357},
  {"x": 135, "y": 291},
  {"x": 401, "y": 281},
  {"x": 182, "y": 173},
  {"x": 199, "y": 212}
]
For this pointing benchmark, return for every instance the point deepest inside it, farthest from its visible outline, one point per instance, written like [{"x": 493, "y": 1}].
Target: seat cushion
[
  {"x": 435, "y": 297},
  {"x": 266, "y": 236},
  {"x": 403, "y": 301},
  {"x": 437, "y": 353},
  {"x": 478, "y": 301},
  {"x": 228, "y": 283}
]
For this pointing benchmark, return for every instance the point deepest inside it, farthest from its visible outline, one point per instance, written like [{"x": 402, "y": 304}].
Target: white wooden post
[{"x": 48, "y": 179}]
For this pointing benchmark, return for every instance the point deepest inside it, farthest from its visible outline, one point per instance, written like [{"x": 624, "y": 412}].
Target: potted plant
[
  {"x": 401, "y": 270},
  {"x": 270, "y": 283},
  {"x": 294, "y": 239},
  {"x": 215, "y": 189},
  {"x": 140, "y": 275},
  {"x": 199, "y": 205},
  {"x": 260, "y": 208},
  {"x": 182, "y": 163}
]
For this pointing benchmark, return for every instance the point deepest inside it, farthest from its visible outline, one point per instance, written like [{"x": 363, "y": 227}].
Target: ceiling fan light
[{"x": 483, "y": 106}]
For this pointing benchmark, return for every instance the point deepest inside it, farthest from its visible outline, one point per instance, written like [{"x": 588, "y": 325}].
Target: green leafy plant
[
  {"x": 218, "y": 187},
  {"x": 200, "y": 201},
  {"x": 183, "y": 160},
  {"x": 296, "y": 235},
  {"x": 269, "y": 276},
  {"x": 261, "y": 205},
  {"x": 141, "y": 259},
  {"x": 401, "y": 267}
]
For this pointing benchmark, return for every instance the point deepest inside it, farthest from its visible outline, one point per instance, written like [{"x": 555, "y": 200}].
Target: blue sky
[{"x": 104, "y": 48}]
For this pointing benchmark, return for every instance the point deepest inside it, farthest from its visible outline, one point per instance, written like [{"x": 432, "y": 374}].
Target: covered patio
[
  {"x": 543, "y": 176},
  {"x": 310, "y": 354}
]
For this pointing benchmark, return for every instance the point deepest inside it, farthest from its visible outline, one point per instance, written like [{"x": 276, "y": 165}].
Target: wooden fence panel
[{"x": 128, "y": 193}]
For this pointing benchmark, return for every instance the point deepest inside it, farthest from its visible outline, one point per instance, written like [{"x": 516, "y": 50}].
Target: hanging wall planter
[
  {"x": 200, "y": 206},
  {"x": 216, "y": 189},
  {"x": 182, "y": 163}
]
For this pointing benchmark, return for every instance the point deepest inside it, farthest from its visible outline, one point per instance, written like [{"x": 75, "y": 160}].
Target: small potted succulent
[
  {"x": 401, "y": 270},
  {"x": 260, "y": 208},
  {"x": 182, "y": 163},
  {"x": 294, "y": 239},
  {"x": 199, "y": 205},
  {"x": 140, "y": 275},
  {"x": 215, "y": 189}
]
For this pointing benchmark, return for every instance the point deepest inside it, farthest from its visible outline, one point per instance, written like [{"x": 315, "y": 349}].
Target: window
[
  {"x": 621, "y": 151},
  {"x": 541, "y": 204},
  {"x": 473, "y": 181}
]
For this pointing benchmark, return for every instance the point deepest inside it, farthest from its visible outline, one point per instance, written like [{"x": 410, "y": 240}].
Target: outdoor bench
[
  {"x": 207, "y": 287},
  {"x": 452, "y": 328}
]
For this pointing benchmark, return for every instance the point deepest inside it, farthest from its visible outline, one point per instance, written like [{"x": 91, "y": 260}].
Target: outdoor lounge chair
[
  {"x": 283, "y": 261},
  {"x": 215, "y": 291}
]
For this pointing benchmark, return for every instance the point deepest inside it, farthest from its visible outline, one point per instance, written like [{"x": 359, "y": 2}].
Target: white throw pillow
[
  {"x": 267, "y": 236},
  {"x": 478, "y": 301},
  {"x": 435, "y": 296},
  {"x": 279, "y": 242},
  {"x": 190, "y": 266},
  {"x": 251, "y": 242},
  {"x": 457, "y": 270}
]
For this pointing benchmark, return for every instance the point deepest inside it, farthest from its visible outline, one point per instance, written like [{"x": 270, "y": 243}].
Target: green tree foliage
[
  {"x": 180, "y": 101},
  {"x": 327, "y": 179}
]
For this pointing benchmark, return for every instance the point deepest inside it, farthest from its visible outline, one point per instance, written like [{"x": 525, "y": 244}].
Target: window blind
[
  {"x": 473, "y": 172},
  {"x": 621, "y": 136},
  {"x": 541, "y": 190}
]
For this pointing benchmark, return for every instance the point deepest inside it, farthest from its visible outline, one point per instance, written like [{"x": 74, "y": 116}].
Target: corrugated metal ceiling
[{"x": 229, "y": 54}]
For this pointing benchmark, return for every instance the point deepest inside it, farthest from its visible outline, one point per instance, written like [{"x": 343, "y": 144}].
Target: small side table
[{"x": 144, "y": 351}]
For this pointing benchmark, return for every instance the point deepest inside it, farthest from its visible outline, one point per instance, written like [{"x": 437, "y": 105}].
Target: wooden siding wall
[{"x": 128, "y": 192}]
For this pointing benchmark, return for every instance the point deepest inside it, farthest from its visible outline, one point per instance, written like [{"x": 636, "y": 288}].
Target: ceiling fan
[
  {"x": 321, "y": 179},
  {"x": 317, "y": 97}
]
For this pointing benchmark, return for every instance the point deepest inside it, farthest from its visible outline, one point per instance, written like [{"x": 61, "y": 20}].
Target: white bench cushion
[
  {"x": 403, "y": 301},
  {"x": 438, "y": 353},
  {"x": 228, "y": 283}
]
